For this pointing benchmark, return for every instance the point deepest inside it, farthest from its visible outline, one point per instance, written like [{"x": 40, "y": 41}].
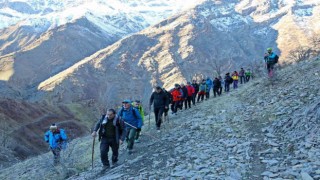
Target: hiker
[
  {"x": 241, "y": 76},
  {"x": 270, "y": 59},
  {"x": 202, "y": 90},
  {"x": 176, "y": 96},
  {"x": 235, "y": 77},
  {"x": 209, "y": 86},
  {"x": 137, "y": 105},
  {"x": 222, "y": 85},
  {"x": 132, "y": 121},
  {"x": 170, "y": 100},
  {"x": 190, "y": 92},
  {"x": 216, "y": 87},
  {"x": 247, "y": 75},
  {"x": 196, "y": 90},
  {"x": 57, "y": 140},
  {"x": 111, "y": 134},
  {"x": 160, "y": 102},
  {"x": 227, "y": 81},
  {"x": 184, "y": 95}
]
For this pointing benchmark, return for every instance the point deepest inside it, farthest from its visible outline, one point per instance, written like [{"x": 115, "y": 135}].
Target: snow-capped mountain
[{"x": 44, "y": 15}]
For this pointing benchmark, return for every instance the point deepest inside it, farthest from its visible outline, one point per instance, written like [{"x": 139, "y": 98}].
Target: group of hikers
[{"x": 113, "y": 128}]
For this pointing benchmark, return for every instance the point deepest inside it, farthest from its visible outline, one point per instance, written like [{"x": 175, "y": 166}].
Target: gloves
[{"x": 138, "y": 129}]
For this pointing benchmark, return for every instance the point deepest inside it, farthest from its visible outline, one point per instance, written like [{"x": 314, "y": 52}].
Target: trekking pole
[
  {"x": 149, "y": 115},
  {"x": 94, "y": 138}
]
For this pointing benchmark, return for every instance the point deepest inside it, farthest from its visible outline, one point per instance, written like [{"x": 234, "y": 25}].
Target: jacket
[
  {"x": 241, "y": 73},
  {"x": 117, "y": 123},
  {"x": 209, "y": 84},
  {"x": 56, "y": 139},
  {"x": 191, "y": 90},
  {"x": 235, "y": 76},
  {"x": 159, "y": 99},
  {"x": 270, "y": 58},
  {"x": 203, "y": 87},
  {"x": 185, "y": 92},
  {"x": 217, "y": 83},
  {"x": 196, "y": 87},
  {"x": 131, "y": 116},
  {"x": 176, "y": 95}
]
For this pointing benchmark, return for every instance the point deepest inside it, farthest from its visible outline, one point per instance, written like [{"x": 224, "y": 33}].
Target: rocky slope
[{"x": 260, "y": 131}]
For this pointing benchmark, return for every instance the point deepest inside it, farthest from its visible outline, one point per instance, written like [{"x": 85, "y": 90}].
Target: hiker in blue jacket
[
  {"x": 56, "y": 138},
  {"x": 133, "y": 122},
  {"x": 209, "y": 86}
]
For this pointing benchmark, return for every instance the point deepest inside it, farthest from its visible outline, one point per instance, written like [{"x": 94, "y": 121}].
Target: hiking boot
[
  {"x": 129, "y": 151},
  {"x": 136, "y": 141}
]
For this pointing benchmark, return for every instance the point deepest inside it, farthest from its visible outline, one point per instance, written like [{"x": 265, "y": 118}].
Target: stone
[
  {"x": 305, "y": 176},
  {"x": 269, "y": 174}
]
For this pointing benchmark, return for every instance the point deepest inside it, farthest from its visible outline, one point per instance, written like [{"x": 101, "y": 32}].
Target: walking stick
[
  {"x": 149, "y": 115},
  {"x": 94, "y": 139}
]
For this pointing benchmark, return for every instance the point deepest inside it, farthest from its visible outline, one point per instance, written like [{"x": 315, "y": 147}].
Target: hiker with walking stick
[{"x": 111, "y": 134}]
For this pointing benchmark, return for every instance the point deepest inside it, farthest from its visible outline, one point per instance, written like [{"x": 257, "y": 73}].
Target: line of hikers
[{"x": 115, "y": 127}]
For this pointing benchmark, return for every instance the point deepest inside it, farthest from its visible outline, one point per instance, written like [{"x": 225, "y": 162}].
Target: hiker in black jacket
[
  {"x": 216, "y": 87},
  {"x": 111, "y": 134},
  {"x": 160, "y": 102},
  {"x": 170, "y": 100},
  {"x": 184, "y": 95},
  {"x": 196, "y": 90}
]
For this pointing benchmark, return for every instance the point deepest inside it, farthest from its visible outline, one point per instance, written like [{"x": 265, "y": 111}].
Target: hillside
[
  {"x": 82, "y": 62},
  {"x": 209, "y": 39},
  {"x": 258, "y": 131}
]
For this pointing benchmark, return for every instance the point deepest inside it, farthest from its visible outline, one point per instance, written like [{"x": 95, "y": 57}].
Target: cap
[
  {"x": 126, "y": 101},
  {"x": 137, "y": 101},
  {"x": 176, "y": 85},
  {"x": 269, "y": 49},
  {"x": 53, "y": 126}
]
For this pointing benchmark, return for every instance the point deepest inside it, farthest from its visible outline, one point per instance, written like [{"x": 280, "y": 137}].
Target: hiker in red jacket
[
  {"x": 191, "y": 91},
  {"x": 176, "y": 96}
]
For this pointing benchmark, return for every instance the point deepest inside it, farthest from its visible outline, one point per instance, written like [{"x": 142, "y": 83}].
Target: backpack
[
  {"x": 276, "y": 59},
  {"x": 133, "y": 112},
  {"x": 230, "y": 80}
]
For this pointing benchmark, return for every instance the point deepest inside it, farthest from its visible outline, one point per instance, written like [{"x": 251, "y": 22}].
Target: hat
[
  {"x": 189, "y": 83},
  {"x": 53, "y": 126},
  {"x": 269, "y": 49},
  {"x": 137, "y": 101},
  {"x": 176, "y": 85},
  {"x": 126, "y": 101},
  {"x": 158, "y": 87}
]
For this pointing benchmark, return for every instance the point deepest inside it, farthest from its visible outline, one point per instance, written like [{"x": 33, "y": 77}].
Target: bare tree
[
  {"x": 315, "y": 41},
  {"x": 300, "y": 53}
]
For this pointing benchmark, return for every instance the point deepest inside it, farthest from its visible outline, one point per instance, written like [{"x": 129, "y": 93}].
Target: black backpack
[
  {"x": 230, "y": 80},
  {"x": 276, "y": 59}
]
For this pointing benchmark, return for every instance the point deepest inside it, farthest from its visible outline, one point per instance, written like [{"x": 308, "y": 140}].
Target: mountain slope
[
  {"x": 212, "y": 37},
  {"x": 258, "y": 131}
]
